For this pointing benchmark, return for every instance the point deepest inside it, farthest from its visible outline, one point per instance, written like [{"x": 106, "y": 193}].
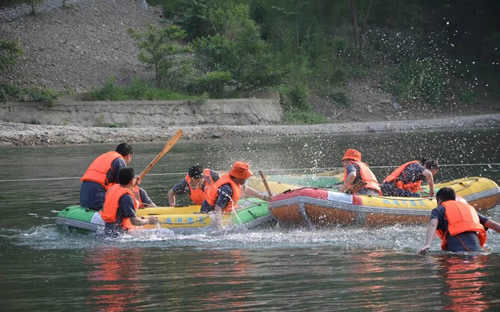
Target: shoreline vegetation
[{"x": 27, "y": 134}]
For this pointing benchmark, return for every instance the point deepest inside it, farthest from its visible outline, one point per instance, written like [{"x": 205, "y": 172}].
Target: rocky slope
[{"x": 79, "y": 47}]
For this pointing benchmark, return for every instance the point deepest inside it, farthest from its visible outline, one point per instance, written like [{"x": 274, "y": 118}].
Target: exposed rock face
[{"x": 80, "y": 47}]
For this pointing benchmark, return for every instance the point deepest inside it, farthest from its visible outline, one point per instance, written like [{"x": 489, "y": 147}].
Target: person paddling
[
  {"x": 196, "y": 183},
  {"x": 101, "y": 174},
  {"x": 457, "y": 223},
  {"x": 358, "y": 178},
  {"x": 406, "y": 180},
  {"x": 228, "y": 190},
  {"x": 120, "y": 205}
]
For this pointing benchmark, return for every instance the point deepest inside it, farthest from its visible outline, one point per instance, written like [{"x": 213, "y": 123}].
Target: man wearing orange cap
[
  {"x": 224, "y": 196},
  {"x": 357, "y": 172}
]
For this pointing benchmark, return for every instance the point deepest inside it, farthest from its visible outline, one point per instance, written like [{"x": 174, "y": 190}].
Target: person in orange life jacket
[
  {"x": 120, "y": 205},
  {"x": 224, "y": 196},
  {"x": 196, "y": 184},
  {"x": 356, "y": 171},
  {"x": 457, "y": 223},
  {"x": 142, "y": 197},
  {"x": 406, "y": 179},
  {"x": 101, "y": 174}
]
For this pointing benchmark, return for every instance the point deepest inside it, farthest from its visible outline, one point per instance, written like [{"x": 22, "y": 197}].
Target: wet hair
[
  {"x": 429, "y": 163},
  {"x": 446, "y": 193},
  {"x": 125, "y": 175},
  {"x": 195, "y": 172},
  {"x": 124, "y": 149}
]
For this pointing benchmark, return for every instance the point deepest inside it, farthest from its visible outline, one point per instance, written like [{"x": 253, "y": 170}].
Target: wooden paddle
[
  {"x": 170, "y": 143},
  {"x": 265, "y": 184}
]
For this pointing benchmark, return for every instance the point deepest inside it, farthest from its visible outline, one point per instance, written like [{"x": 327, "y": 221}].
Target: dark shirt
[
  {"x": 225, "y": 195},
  {"x": 412, "y": 173},
  {"x": 469, "y": 239},
  {"x": 145, "y": 197},
  {"x": 125, "y": 210},
  {"x": 183, "y": 187},
  {"x": 351, "y": 168},
  {"x": 116, "y": 165}
]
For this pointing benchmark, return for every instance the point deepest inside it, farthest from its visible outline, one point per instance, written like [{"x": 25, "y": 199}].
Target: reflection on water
[
  {"x": 465, "y": 279},
  {"x": 113, "y": 277},
  {"x": 336, "y": 269}
]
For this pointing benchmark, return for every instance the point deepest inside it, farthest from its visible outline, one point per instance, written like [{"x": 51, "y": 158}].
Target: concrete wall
[{"x": 145, "y": 113}]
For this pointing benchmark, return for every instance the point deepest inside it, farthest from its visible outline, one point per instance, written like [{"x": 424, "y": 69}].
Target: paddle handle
[
  {"x": 265, "y": 184},
  {"x": 170, "y": 143}
]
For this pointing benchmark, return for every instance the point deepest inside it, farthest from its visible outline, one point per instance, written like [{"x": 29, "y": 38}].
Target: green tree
[
  {"x": 161, "y": 49},
  {"x": 236, "y": 47}
]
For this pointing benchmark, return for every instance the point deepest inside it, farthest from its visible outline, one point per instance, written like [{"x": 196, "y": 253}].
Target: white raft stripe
[{"x": 340, "y": 197}]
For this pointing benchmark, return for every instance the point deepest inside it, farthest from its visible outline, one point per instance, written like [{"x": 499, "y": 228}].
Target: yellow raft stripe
[{"x": 398, "y": 202}]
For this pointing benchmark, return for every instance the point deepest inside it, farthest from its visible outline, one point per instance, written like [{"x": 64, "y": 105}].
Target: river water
[{"x": 336, "y": 269}]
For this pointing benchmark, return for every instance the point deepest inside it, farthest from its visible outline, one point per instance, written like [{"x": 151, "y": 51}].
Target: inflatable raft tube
[
  {"x": 313, "y": 207},
  {"x": 253, "y": 213}
]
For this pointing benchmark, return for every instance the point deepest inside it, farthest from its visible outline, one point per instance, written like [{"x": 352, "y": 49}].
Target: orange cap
[
  {"x": 352, "y": 154},
  {"x": 240, "y": 170}
]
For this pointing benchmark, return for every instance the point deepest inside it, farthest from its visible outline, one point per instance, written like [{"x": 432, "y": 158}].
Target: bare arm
[
  {"x": 430, "y": 180},
  {"x": 139, "y": 221},
  {"x": 349, "y": 180},
  {"x": 431, "y": 230},
  {"x": 490, "y": 224},
  {"x": 218, "y": 216},
  {"x": 171, "y": 197},
  {"x": 251, "y": 192}
]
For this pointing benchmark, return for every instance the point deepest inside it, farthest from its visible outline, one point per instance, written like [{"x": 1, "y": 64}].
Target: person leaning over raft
[
  {"x": 196, "y": 183},
  {"x": 457, "y": 223},
  {"x": 406, "y": 180},
  {"x": 225, "y": 194},
  {"x": 356, "y": 172},
  {"x": 102, "y": 174},
  {"x": 142, "y": 197},
  {"x": 120, "y": 205}
]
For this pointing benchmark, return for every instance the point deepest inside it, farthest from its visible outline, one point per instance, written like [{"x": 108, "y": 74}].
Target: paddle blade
[{"x": 170, "y": 143}]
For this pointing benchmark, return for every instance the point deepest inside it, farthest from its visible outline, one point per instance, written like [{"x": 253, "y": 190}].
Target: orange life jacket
[
  {"x": 98, "y": 169},
  {"x": 367, "y": 176},
  {"x": 409, "y": 186},
  {"x": 112, "y": 202},
  {"x": 213, "y": 193},
  {"x": 461, "y": 218},
  {"x": 198, "y": 195}
]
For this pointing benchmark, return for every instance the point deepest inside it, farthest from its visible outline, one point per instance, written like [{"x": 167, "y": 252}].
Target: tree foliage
[{"x": 160, "y": 48}]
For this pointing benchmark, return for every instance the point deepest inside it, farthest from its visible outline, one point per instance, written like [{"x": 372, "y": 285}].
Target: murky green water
[{"x": 343, "y": 268}]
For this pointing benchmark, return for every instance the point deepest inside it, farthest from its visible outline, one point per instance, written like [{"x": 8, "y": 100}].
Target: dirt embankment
[
  {"x": 78, "y": 48},
  {"x": 26, "y": 134}
]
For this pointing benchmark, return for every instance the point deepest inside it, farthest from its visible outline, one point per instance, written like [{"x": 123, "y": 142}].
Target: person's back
[
  {"x": 406, "y": 180},
  {"x": 101, "y": 174}
]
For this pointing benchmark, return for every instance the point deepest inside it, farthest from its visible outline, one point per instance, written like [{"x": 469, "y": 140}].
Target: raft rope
[{"x": 275, "y": 171}]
